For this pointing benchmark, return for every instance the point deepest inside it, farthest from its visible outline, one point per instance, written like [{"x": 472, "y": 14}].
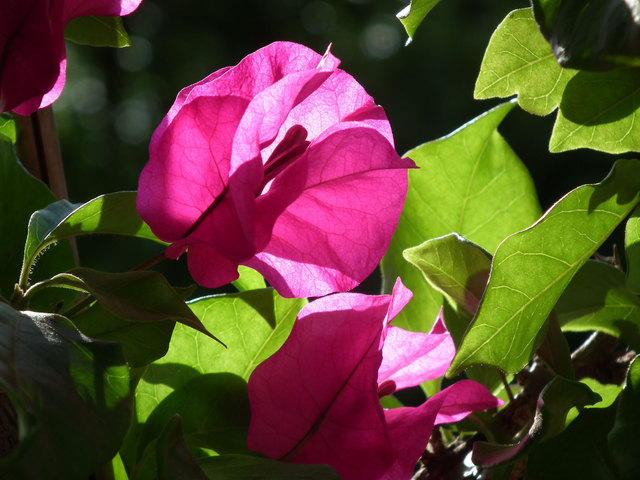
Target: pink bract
[
  {"x": 32, "y": 52},
  {"x": 282, "y": 163},
  {"x": 316, "y": 400}
]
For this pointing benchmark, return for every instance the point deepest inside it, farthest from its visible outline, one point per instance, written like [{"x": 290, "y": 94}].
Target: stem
[
  {"x": 150, "y": 263},
  {"x": 80, "y": 306},
  {"x": 507, "y": 387}
]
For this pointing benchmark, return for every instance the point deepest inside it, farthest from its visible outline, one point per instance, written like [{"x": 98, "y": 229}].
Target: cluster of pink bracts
[{"x": 285, "y": 164}]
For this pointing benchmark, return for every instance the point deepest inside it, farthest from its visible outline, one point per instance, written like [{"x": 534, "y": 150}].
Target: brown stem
[{"x": 39, "y": 150}]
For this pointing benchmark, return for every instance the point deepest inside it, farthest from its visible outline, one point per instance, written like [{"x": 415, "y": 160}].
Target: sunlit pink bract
[
  {"x": 282, "y": 163},
  {"x": 32, "y": 53},
  {"x": 316, "y": 400}
]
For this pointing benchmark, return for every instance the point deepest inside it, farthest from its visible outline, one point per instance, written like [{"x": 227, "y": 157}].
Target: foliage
[{"x": 284, "y": 166}]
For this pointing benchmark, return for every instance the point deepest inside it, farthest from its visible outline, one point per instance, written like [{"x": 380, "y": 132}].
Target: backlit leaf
[
  {"x": 469, "y": 182},
  {"x": 413, "y": 14},
  {"x": 632, "y": 251},
  {"x": 97, "y": 31},
  {"x": 532, "y": 268},
  {"x": 519, "y": 61}
]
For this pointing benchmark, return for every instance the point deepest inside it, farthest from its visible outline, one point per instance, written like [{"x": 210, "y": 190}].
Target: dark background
[{"x": 114, "y": 99}]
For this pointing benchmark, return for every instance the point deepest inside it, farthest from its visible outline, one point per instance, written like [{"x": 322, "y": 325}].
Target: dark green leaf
[
  {"x": 624, "y": 442},
  {"x": 239, "y": 467},
  {"x": 97, "y": 31},
  {"x": 597, "y": 299},
  {"x": 590, "y": 34},
  {"x": 113, "y": 213},
  {"x": 454, "y": 267},
  {"x": 554, "y": 402},
  {"x": 175, "y": 461},
  {"x": 632, "y": 250},
  {"x": 530, "y": 271},
  {"x": 554, "y": 349},
  {"x": 413, "y": 14},
  {"x": 139, "y": 296},
  {"x": 142, "y": 343},
  {"x": 8, "y": 127},
  {"x": 215, "y": 413},
  {"x": 71, "y": 395},
  {"x": 519, "y": 61},
  {"x": 484, "y": 195},
  {"x": 20, "y": 195},
  {"x": 580, "y": 451},
  {"x": 252, "y": 324},
  {"x": 599, "y": 111}
]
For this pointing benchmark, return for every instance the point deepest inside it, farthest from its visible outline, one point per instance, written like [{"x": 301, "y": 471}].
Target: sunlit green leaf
[
  {"x": 97, "y": 31},
  {"x": 413, "y": 14},
  {"x": 591, "y": 34},
  {"x": 253, "y": 325},
  {"x": 455, "y": 267},
  {"x": 113, "y": 213},
  {"x": 469, "y": 182},
  {"x": 249, "y": 279},
  {"x": 632, "y": 251},
  {"x": 532, "y": 268},
  {"x": 71, "y": 396},
  {"x": 580, "y": 451},
  {"x": 623, "y": 439},
  {"x": 8, "y": 127},
  {"x": 608, "y": 392},
  {"x": 599, "y": 111},
  {"x": 597, "y": 299},
  {"x": 20, "y": 195},
  {"x": 519, "y": 61}
]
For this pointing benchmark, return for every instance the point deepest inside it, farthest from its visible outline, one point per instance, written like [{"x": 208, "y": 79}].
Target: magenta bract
[
  {"x": 316, "y": 400},
  {"x": 32, "y": 53},
  {"x": 282, "y": 163}
]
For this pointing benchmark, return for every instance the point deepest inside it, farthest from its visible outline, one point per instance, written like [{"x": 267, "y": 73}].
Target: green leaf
[
  {"x": 20, "y": 195},
  {"x": 252, "y": 324},
  {"x": 215, "y": 413},
  {"x": 71, "y": 395},
  {"x": 597, "y": 299},
  {"x": 113, "y": 213},
  {"x": 8, "y": 127},
  {"x": 608, "y": 392},
  {"x": 519, "y": 61},
  {"x": 175, "y": 461},
  {"x": 532, "y": 268},
  {"x": 580, "y": 451},
  {"x": 249, "y": 279},
  {"x": 599, "y": 111},
  {"x": 140, "y": 296},
  {"x": 590, "y": 34},
  {"x": 142, "y": 343},
  {"x": 554, "y": 402},
  {"x": 624, "y": 443},
  {"x": 413, "y": 14},
  {"x": 239, "y": 467},
  {"x": 632, "y": 250},
  {"x": 455, "y": 267},
  {"x": 97, "y": 31},
  {"x": 484, "y": 195}
]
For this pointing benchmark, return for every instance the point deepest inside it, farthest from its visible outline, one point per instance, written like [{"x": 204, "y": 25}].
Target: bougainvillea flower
[
  {"x": 282, "y": 163},
  {"x": 32, "y": 52},
  {"x": 316, "y": 400}
]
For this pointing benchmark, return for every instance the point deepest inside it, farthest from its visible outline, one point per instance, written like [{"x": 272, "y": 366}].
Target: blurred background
[{"x": 114, "y": 99}]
